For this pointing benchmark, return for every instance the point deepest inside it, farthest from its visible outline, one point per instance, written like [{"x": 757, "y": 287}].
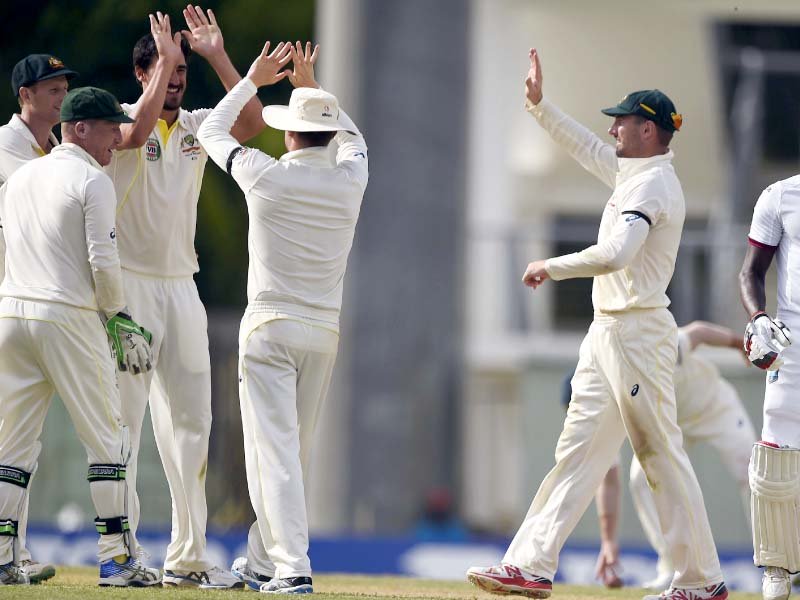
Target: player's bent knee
[{"x": 774, "y": 476}]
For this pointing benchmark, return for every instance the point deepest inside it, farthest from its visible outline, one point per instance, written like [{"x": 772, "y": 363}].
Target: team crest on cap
[
  {"x": 56, "y": 63},
  {"x": 152, "y": 150}
]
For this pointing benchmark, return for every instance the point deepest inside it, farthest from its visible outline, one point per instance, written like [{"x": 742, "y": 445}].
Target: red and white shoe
[
  {"x": 508, "y": 579},
  {"x": 712, "y": 592}
]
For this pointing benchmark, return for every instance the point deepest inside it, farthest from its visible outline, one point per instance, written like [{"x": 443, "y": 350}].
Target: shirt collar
[
  {"x": 314, "y": 156},
  {"x": 628, "y": 167},
  {"x": 182, "y": 114},
  {"x": 17, "y": 124},
  {"x": 77, "y": 151}
]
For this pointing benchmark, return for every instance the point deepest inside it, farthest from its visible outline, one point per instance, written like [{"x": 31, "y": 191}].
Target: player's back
[
  {"x": 303, "y": 216},
  {"x": 44, "y": 218}
]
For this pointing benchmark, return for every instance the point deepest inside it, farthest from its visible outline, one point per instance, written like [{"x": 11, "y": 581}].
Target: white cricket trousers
[
  {"x": 726, "y": 426},
  {"x": 781, "y": 415},
  {"x": 622, "y": 384},
  {"x": 48, "y": 348},
  {"x": 179, "y": 391},
  {"x": 285, "y": 367}
]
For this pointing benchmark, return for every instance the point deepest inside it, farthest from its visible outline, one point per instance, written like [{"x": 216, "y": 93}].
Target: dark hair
[
  {"x": 315, "y": 138},
  {"x": 145, "y": 52}
]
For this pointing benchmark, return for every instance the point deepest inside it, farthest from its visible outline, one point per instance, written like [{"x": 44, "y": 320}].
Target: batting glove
[
  {"x": 764, "y": 340},
  {"x": 131, "y": 343}
]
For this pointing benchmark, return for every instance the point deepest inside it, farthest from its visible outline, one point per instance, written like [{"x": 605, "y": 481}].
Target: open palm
[{"x": 204, "y": 34}]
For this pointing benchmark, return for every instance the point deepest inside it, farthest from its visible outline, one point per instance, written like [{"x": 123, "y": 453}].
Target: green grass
[{"x": 81, "y": 583}]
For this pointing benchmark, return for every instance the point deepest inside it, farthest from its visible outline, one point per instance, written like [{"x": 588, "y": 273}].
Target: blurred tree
[{"x": 96, "y": 38}]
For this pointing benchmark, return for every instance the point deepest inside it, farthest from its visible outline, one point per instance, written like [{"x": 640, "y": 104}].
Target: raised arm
[
  {"x": 149, "y": 107},
  {"x": 352, "y": 152},
  {"x": 594, "y": 155},
  {"x": 205, "y": 38},
  {"x": 215, "y": 133}
]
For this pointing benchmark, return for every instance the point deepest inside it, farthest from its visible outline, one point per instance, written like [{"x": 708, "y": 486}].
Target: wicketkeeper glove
[
  {"x": 764, "y": 340},
  {"x": 131, "y": 343}
]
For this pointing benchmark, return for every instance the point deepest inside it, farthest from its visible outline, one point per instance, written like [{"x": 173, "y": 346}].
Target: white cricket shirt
[
  {"x": 776, "y": 224},
  {"x": 644, "y": 189},
  {"x": 18, "y": 146},
  {"x": 57, "y": 214},
  {"x": 158, "y": 186},
  {"x": 302, "y": 208}
]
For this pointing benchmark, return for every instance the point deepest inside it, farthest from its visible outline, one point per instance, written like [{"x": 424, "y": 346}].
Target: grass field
[{"x": 80, "y": 583}]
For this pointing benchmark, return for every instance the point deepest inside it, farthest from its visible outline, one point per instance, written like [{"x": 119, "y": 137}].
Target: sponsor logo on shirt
[
  {"x": 190, "y": 147},
  {"x": 152, "y": 150},
  {"x": 772, "y": 377}
]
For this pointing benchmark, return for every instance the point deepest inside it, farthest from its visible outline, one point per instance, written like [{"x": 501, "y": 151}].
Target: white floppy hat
[{"x": 309, "y": 109}]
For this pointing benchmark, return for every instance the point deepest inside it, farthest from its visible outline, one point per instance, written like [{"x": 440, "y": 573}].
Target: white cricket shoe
[
  {"x": 242, "y": 571},
  {"x": 10, "y": 574},
  {"x": 36, "y": 571},
  {"x": 712, "y": 592},
  {"x": 776, "y": 584},
  {"x": 508, "y": 579},
  {"x": 213, "y": 579}
]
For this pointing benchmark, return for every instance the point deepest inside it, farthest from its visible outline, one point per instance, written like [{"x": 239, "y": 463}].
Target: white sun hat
[{"x": 309, "y": 109}]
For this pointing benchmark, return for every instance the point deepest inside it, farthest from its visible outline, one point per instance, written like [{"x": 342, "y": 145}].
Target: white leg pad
[{"x": 775, "y": 506}]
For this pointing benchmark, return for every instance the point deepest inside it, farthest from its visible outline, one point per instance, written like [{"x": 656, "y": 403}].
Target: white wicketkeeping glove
[
  {"x": 764, "y": 340},
  {"x": 131, "y": 344}
]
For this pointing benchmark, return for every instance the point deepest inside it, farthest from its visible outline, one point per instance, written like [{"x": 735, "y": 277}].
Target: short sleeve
[{"x": 766, "y": 228}]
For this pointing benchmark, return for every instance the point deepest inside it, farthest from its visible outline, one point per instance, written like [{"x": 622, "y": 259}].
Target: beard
[{"x": 173, "y": 103}]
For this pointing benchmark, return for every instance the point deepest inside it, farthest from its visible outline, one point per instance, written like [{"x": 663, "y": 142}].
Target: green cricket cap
[
  {"x": 85, "y": 103},
  {"x": 38, "y": 67},
  {"x": 653, "y": 105}
]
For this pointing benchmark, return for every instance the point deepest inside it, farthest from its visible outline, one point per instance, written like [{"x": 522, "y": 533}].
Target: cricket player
[
  {"x": 157, "y": 177},
  {"x": 709, "y": 410},
  {"x": 40, "y": 82},
  {"x": 623, "y": 382},
  {"x": 63, "y": 282},
  {"x": 303, "y": 212},
  {"x": 775, "y": 461}
]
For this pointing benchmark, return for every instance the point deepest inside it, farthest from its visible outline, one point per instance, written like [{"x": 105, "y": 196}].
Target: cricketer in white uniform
[
  {"x": 623, "y": 381},
  {"x": 303, "y": 212},
  {"x": 157, "y": 180},
  {"x": 40, "y": 82},
  {"x": 710, "y": 411},
  {"x": 775, "y": 462},
  {"x": 63, "y": 281}
]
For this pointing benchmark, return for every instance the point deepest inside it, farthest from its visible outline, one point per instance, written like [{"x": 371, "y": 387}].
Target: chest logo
[
  {"x": 152, "y": 150},
  {"x": 190, "y": 146}
]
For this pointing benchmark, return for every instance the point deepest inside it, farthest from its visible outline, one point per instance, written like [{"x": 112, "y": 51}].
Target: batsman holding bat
[
  {"x": 623, "y": 384},
  {"x": 775, "y": 461}
]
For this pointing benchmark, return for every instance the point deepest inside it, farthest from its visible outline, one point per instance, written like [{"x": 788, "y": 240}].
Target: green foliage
[{"x": 96, "y": 38}]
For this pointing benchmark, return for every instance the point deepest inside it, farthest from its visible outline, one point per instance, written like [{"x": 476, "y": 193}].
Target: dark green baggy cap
[
  {"x": 654, "y": 105},
  {"x": 38, "y": 67},
  {"x": 86, "y": 103}
]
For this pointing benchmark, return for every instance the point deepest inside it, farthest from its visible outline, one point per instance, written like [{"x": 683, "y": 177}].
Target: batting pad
[{"x": 775, "y": 506}]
